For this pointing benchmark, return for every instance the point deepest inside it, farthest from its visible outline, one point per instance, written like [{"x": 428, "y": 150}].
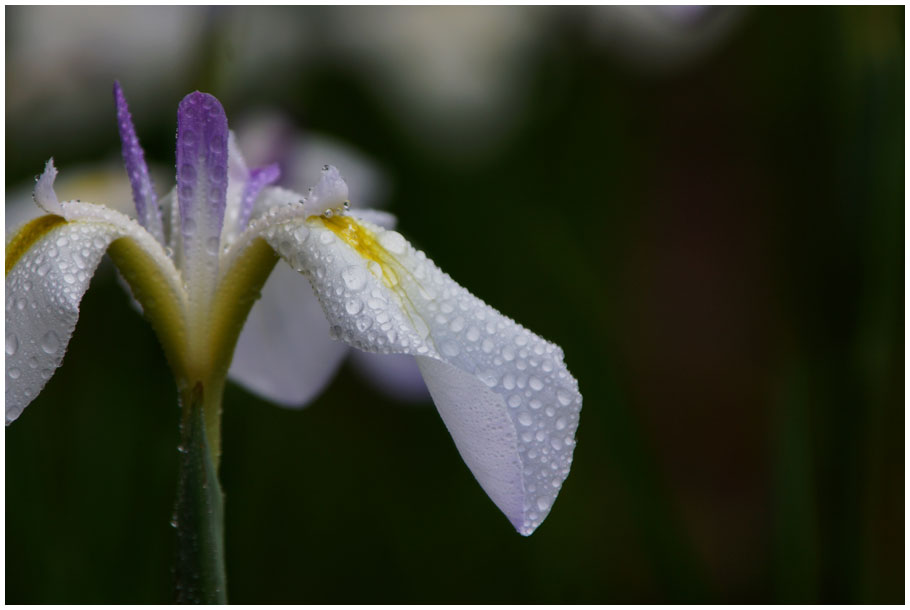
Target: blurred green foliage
[{"x": 717, "y": 250}]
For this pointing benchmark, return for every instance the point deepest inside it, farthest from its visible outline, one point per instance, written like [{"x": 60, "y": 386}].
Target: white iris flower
[{"x": 196, "y": 261}]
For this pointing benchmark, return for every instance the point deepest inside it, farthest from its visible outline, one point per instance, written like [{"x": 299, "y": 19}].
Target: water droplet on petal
[
  {"x": 393, "y": 242},
  {"x": 535, "y": 383},
  {"x": 355, "y": 278},
  {"x": 353, "y": 306},
  {"x": 50, "y": 342},
  {"x": 543, "y": 503},
  {"x": 525, "y": 419},
  {"x": 12, "y": 344},
  {"x": 450, "y": 349},
  {"x": 301, "y": 233},
  {"x": 14, "y": 373}
]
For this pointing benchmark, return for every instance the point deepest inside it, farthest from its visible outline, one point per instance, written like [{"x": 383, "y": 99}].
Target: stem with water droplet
[{"x": 199, "y": 513}]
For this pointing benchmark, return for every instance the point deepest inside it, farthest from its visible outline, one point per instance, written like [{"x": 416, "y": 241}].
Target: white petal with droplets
[
  {"x": 387, "y": 297},
  {"x": 43, "y": 291}
]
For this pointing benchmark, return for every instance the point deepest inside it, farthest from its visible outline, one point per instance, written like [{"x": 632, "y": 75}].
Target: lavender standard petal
[
  {"x": 259, "y": 178},
  {"x": 202, "y": 140},
  {"x": 134, "y": 160}
]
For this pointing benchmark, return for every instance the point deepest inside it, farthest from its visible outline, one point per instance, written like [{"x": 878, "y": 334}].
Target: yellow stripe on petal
[{"x": 28, "y": 235}]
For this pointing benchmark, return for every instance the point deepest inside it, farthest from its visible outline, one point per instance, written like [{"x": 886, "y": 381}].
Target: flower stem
[{"x": 199, "y": 513}]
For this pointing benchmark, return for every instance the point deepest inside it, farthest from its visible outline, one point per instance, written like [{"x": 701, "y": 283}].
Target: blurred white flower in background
[
  {"x": 661, "y": 39},
  {"x": 456, "y": 80},
  {"x": 75, "y": 53}
]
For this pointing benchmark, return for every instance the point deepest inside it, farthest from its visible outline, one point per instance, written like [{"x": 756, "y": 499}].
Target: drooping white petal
[
  {"x": 478, "y": 420},
  {"x": 382, "y": 295},
  {"x": 49, "y": 264},
  {"x": 43, "y": 291},
  {"x": 284, "y": 352}
]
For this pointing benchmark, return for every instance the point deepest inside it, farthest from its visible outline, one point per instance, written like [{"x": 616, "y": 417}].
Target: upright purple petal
[
  {"x": 202, "y": 141},
  {"x": 134, "y": 160},
  {"x": 259, "y": 179}
]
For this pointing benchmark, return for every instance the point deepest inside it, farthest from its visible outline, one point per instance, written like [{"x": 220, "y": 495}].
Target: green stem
[{"x": 199, "y": 513}]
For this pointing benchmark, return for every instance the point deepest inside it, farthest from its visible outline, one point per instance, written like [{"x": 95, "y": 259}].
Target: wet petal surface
[{"x": 382, "y": 295}]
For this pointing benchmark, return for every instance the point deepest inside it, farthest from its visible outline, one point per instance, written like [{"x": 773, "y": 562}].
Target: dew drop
[
  {"x": 33, "y": 362},
  {"x": 301, "y": 233},
  {"x": 393, "y": 242},
  {"x": 211, "y": 245},
  {"x": 543, "y": 503},
  {"x": 50, "y": 342},
  {"x": 473, "y": 334},
  {"x": 514, "y": 400},
  {"x": 20, "y": 304},
  {"x": 525, "y": 419},
  {"x": 353, "y": 306},
  {"x": 489, "y": 378},
  {"x": 326, "y": 238},
  {"x": 12, "y": 344},
  {"x": 355, "y": 278},
  {"x": 561, "y": 423},
  {"x": 189, "y": 226},
  {"x": 563, "y": 397},
  {"x": 450, "y": 348},
  {"x": 535, "y": 383},
  {"x": 14, "y": 373}
]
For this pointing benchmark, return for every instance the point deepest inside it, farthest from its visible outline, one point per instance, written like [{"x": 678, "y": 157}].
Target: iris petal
[
  {"x": 284, "y": 352},
  {"x": 202, "y": 178},
  {"x": 134, "y": 159},
  {"x": 505, "y": 394}
]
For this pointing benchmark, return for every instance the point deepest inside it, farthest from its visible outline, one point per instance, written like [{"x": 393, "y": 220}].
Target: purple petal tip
[
  {"x": 134, "y": 160},
  {"x": 202, "y": 136}
]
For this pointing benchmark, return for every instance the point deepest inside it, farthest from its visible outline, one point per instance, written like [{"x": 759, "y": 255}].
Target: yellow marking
[
  {"x": 28, "y": 235},
  {"x": 365, "y": 243}
]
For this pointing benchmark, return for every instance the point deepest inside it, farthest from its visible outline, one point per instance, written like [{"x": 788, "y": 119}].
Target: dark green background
[{"x": 718, "y": 251}]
